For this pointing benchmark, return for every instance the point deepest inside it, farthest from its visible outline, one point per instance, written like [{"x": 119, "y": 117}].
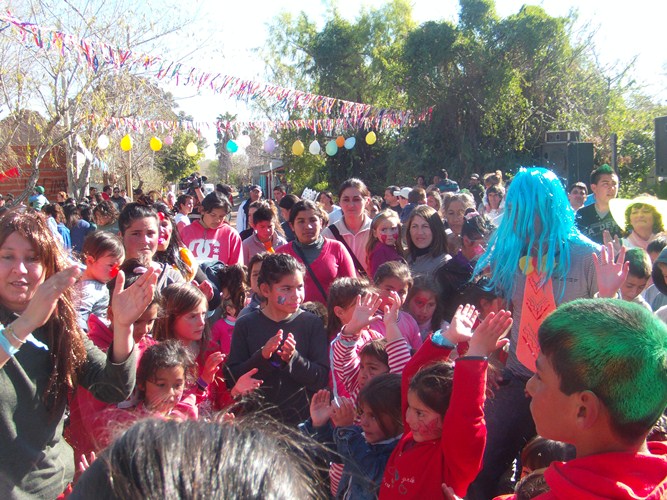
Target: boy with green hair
[{"x": 601, "y": 385}]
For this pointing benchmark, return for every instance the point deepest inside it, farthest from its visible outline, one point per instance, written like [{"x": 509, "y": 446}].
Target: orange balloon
[{"x": 340, "y": 141}]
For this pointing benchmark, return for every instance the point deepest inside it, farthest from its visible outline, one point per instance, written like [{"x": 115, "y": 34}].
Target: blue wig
[{"x": 538, "y": 221}]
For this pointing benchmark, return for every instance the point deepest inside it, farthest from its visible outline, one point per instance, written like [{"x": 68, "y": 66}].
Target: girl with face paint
[{"x": 384, "y": 243}]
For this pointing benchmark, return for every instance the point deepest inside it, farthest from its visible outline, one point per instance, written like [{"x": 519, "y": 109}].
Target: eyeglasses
[{"x": 116, "y": 191}]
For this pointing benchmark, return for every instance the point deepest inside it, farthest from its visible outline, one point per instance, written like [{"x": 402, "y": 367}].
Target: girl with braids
[{"x": 44, "y": 355}]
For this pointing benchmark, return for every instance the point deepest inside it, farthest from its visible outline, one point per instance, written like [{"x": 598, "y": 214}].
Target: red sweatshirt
[
  {"x": 333, "y": 262},
  {"x": 621, "y": 476},
  {"x": 223, "y": 244},
  {"x": 417, "y": 470}
]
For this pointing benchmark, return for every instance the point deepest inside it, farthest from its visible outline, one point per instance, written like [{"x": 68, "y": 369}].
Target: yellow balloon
[
  {"x": 155, "y": 144},
  {"x": 191, "y": 149},
  {"x": 298, "y": 148},
  {"x": 371, "y": 137},
  {"x": 126, "y": 143}
]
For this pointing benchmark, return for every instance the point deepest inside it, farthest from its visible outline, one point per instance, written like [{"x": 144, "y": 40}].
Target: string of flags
[{"x": 96, "y": 54}]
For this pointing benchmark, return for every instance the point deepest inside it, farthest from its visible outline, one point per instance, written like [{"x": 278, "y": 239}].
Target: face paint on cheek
[
  {"x": 282, "y": 299},
  {"x": 478, "y": 249},
  {"x": 383, "y": 238}
]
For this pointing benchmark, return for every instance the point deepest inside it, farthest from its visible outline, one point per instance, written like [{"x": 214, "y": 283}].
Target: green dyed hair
[
  {"x": 617, "y": 350},
  {"x": 600, "y": 171},
  {"x": 640, "y": 263}
]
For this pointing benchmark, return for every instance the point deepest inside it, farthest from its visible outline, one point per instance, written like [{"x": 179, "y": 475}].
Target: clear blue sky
[{"x": 623, "y": 30}]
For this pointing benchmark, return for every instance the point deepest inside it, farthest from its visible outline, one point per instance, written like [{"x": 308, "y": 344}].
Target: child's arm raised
[
  {"x": 364, "y": 313},
  {"x": 437, "y": 348},
  {"x": 398, "y": 351},
  {"x": 465, "y": 433}
]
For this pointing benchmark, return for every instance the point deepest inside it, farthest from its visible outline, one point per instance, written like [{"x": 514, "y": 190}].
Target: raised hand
[
  {"x": 320, "y": 408},
  {"x": 44, "y": 301},
  {"x": 490, "y": 334},
  {"x": 246, "y": 383},
  {"x": 272, "y": 345},
  {"x": 390, "y": 319},
  {"x": 211, "y": 365},
  {"x": 130, "y": 303},
  {"x": 611, "y": 274},
  {"x": 364, "y": 313},
  {"x": 343, "y": 415},
  {"x": 460, "y": 329},
  {"x": 286, "y": 351}
]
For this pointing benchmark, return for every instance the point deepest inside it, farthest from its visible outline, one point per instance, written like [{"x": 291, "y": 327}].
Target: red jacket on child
[
  {"x": 621, "y": 476},
  {"x": 418, "y": 470}
]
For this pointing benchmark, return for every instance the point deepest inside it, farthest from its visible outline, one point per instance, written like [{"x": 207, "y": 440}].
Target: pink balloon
[{"x": 168, "y": 140}]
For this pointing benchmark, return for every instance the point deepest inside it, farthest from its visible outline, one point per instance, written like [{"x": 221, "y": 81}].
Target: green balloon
[{"x": 332, "y": 148}]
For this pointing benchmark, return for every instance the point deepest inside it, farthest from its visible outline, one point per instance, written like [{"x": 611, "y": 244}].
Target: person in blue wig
[{"x": 538, "y": 259}]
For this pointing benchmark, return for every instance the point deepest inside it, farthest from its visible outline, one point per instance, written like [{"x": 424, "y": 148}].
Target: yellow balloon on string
[
  {"x": 126, "y": 143},
  {"x": 191, "y": 149},
  {"x": 155, "y": 144}
]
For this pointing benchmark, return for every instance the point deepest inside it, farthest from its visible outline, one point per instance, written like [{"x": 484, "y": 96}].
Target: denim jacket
[{"x": 364, "y": 462}]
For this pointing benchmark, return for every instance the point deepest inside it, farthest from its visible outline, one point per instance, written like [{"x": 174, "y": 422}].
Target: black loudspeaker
[
  {"x": 572, "y": 161},
  {"x": 661, "y": 146},
  {"x": 579, "y": 162},
  {"x": 554, "y": 157}
]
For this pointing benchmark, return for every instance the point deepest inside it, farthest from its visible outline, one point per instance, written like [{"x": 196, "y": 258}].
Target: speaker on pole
[{"x": 579, "y": 162}]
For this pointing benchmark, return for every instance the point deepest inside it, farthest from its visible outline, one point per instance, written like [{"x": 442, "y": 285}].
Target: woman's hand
[
  {"x": 490, "y": 334},
  {"x": 211, "y": 366},
  {"x": 246, "y": 383},
  {"x": 320, "y": 408},
  {"x": 130, "y": 303},
  {"x": 44, "y": 301}
]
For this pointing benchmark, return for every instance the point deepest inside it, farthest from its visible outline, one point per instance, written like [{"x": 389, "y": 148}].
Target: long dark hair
[
  {"x": 67, "y": 353},
  {"x": 171, "y": 255}
]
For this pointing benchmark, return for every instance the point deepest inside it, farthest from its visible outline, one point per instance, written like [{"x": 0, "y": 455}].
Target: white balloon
[
  {"x": 243, "y": 141},
  {"x": 103, "y": 142},
  {"x": 314, "y": 148}
]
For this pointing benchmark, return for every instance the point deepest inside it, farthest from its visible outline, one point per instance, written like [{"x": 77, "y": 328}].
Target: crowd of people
[{"x": 505, "y": 339}]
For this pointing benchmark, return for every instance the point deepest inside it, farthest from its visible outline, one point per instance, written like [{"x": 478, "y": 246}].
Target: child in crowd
[
  {"x": 359, "y": 353},
  {"x": 286, "y": 344},
  {"x": 366, "y": 447},
  {"x": 655, "y": 247},
  {"x": 265, "y": 237},
  {"x": 437, "y": 396},
  {"x": 384, "y": 242},
  {"x": 603, "y": 397},
  {"x": 233, "y": 294},
  {"x": 256, "y": 298},
  {"x": 639, "y": 272},
  {"x": 102, "y": 255},
  {"x": 88, "y": 415},
  {"x": 391, "y": 277},
  {"x": 211, "y": 238},
  {"x": 183, "y": 316},
  {"x": 423, "y": 305},
  {"x": 165, "y": 370}
]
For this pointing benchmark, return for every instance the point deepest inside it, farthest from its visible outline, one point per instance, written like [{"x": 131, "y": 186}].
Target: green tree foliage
[
  {"x": 496, "y": 86},
  {"x": 174, "y": 162}
]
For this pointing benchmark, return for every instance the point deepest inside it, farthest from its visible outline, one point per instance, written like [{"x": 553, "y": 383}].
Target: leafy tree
[{"x": 174, "y": 162}]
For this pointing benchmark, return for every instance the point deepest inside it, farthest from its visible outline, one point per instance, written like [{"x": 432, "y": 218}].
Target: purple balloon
[{"x": 270, "y": 145}]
